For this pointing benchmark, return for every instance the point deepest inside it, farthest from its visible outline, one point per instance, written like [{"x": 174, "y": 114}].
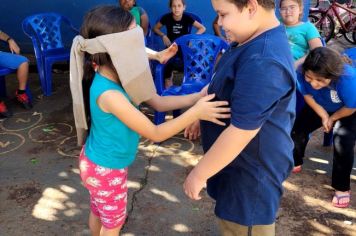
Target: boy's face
[
  {"x": 290, "y": 12},
  {"x": 177, "y": 8},
  {"x": 316, "y": 81},
  {"x": 127, "y": 4},
  {"x": 238, "y": 24}
]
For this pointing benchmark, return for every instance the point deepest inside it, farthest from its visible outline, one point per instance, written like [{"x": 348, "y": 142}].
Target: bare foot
[{"x": 166, "y": 54}]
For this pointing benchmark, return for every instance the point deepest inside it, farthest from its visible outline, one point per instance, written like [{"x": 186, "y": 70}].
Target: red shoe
[
  {"x": 4, "y": 112},
  {"x": 24, "y": 100},
  {"x": 297, "y": 169}
]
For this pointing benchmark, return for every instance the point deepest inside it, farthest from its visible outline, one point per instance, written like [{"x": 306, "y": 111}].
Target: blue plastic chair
[
  {"x": 6, "y": 71},
  {"x": 45, "y": 32},
  {"x": 199, "y": 57},
  {"x": 351, "y": 53}
]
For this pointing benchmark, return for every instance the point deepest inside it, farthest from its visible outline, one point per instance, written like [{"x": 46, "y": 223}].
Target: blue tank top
[{"x": 110, "y": 142}]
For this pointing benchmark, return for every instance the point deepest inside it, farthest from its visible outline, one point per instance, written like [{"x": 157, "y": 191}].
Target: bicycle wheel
[
  {"x": 350, "y": 36},
  {"x": 324, "y": 23}
]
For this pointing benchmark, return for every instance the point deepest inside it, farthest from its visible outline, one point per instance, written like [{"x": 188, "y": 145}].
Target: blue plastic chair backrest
[
  {"x": 46, "y": 28},
  {"x": 199, "y": 56}
]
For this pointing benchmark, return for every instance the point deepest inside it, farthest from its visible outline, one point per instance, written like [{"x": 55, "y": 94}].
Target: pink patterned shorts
[{"x": 108, "y": 191}]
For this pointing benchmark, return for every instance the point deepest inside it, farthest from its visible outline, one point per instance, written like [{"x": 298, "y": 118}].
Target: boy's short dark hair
[{"x": 267, "y": 4}]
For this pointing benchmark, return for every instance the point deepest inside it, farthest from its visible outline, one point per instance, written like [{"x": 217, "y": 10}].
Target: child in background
[
  {"x": 218, "y": 31},
  {"x": 138, "y": 12},
  {"x": 14, "y": 60},
  {"x": 177, "y": 24},
  {"x": 329, "y": 88},
  {"x": 116, "y": 123},
  {"x": 246, "y": 162},
  {"x": 302, "y": 36}
]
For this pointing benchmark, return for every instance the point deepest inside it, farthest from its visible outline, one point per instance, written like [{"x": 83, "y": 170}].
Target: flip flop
[{"x": 339, "y": 197}]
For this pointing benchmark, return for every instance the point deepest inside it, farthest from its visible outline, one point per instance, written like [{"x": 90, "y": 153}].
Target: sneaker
[
  {"x": 24, "y": 100},
  {"x": 4, "y": 112}
]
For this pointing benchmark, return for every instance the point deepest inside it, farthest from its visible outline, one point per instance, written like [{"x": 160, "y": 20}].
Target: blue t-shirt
[
  {"x": 258, "y": 80},
  {"x": 110, "y": 143},
  {"x": 338, "y": 94},
  {"x": 299, "y": 37}
]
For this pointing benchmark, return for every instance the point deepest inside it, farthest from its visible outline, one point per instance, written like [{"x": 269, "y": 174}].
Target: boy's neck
[{"x": 267, "y": 19}]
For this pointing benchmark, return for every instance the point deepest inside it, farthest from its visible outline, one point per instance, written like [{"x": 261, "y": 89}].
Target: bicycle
[{"x": 325, "y": 20}]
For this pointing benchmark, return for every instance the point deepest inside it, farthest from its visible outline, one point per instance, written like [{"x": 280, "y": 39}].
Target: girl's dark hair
[
  {"x": 99, "y": 21},
  {"x": 267, "y": 4},
  {"x": 171, "y": 2},
  {"x": 324, "y": 62}
]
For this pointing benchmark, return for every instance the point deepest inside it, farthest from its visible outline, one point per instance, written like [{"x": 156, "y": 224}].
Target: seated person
[
  {"x": 177, "y": 24},
  {"x": 15, "y": 61},
  {"x": 302, "y": 36},
  {"x": 138, "y": 12}
]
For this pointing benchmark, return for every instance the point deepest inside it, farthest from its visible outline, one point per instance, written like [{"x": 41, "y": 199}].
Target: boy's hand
[
  {"x": 193, "y": 185},
  {"x": 192, "y": 132}
]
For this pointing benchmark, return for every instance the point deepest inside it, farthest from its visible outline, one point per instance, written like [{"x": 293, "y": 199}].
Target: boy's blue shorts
[{"x": 11, "y": 60}]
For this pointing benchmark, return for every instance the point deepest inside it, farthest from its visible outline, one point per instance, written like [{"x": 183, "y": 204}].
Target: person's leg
[
  {"x": 110, "y": 232},
  {"x": 306, "y": 122},
  {"x": 344, "y": 143},
  {"x": 164, "y": 55},
  {"x": 94, "y": 224},
  {"x": 22, "y": 75}
]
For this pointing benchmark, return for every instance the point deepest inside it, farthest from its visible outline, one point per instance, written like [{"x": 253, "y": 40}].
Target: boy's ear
[{"x": 252, "y": 6}]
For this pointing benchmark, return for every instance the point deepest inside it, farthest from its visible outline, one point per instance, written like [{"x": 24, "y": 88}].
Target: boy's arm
[
  {"x": 200, "y": 28},
  {"x": 225, "y": 149}
]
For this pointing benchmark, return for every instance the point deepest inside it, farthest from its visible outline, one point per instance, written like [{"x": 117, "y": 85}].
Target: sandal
[
  {"x": 297, "y": 169},
  {"x": 340, "y": 196}
]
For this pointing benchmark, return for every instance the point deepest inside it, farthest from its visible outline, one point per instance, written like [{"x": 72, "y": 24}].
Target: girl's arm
[
  {"x": 341, "y": 113},
  {"x": 169, "y": 103},
  {"x": 116, "y": 103},
  {"x": 313, "y": 43},
  {"x": 319, "y": 110},
  {"x": 157, "y": 30},
  {"x": 144, "y": 23},
  {"x": 200, "y": 28}
]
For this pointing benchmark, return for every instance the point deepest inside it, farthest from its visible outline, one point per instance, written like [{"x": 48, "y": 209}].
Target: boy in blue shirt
[{"x": 246, "y": 161}]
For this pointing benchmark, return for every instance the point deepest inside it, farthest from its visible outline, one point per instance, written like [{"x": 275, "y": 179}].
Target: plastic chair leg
[
  {"x": 2, "y": 87},
  {"x": 42, "y": 77},
  {"x": 48, "y": 78},
  {"x": 159, "y": 117},
  {"x": 328, "y": 139}
]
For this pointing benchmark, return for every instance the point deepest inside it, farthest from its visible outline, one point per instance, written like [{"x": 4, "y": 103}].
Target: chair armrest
[{"x": 159, "y": 78}]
